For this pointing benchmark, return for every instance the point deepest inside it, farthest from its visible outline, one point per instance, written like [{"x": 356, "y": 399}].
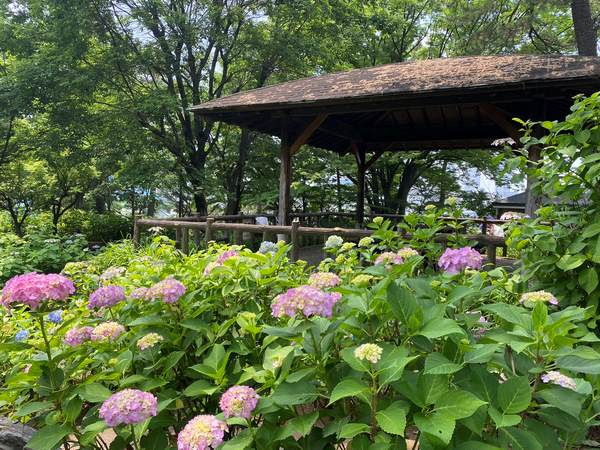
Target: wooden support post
[
  {"x": 209, "y": 231},
  {"x": 178, "y": 238},
  {"x": 136, "y": 232},
  {"x": 491, "y": 253},
  {"x": 361, "y": 165},
  {"x": 532, "y": 201},
  {"x": 295, "y": 238},
  {"x": 285, "y": 181},
  {"x": 238, "y": 237},
  {"x": 185, "y": 241}
]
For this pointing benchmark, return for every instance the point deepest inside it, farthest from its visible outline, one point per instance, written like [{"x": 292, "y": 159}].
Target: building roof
[
  {"x": 417, "y": 105},
  {"x": 513, "y": 200}
]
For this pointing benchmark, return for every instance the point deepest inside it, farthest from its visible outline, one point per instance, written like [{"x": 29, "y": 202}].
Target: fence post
[
  {"x": 196, "y": 233},
  {"x": 209, "y": 231},
  {"x": 136, "y": 231},
  {"x": 185, "y": 240},
  {"x": 491, "y": 253},
  {"x": 238, "y": 237},
  {"x": 295, "y": 238},
  {"x": 178, "y": 238}
]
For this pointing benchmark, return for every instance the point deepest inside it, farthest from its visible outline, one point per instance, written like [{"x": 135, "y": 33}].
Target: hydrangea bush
[{"x": 259, "y": 352}]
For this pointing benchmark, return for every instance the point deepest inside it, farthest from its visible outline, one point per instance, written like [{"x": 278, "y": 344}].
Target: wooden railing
[{"x": 295, "y": 231}]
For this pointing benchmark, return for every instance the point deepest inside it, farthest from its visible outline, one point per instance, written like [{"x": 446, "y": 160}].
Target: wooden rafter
[
  {"x": 500, "y": 118},
  {"x": 305, "y": 135}
]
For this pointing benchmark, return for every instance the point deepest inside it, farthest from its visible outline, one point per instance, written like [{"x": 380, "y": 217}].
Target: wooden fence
[{"x": 295, "y": 231}]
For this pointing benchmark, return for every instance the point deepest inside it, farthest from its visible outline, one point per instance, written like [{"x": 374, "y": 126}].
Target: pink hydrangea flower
[
  {"x": 127, "y": 407},
  {"x": 556, "y": 377},
  {"x": 310, "y": 300},
  {"x": 33, "y": 288},
  {"x": 324, "y": 280},
  {"x": 239, "y": 401},
  {"x": 201, "y": 433},
  {"x": 220, "y": 260},
  {"x": 106, "y": 297},
  {"x": 107, "y": 331},
  {"x": 530, "y": 299},
  {"x": 389, "y": 258},
  {"x": 168, "y": 290},
  {"x": 455, "y": 260},
  {"x": 77, "y": 336}
]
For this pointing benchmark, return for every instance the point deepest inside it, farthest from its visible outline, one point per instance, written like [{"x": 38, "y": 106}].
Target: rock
[{"x": 14, "y": 436}]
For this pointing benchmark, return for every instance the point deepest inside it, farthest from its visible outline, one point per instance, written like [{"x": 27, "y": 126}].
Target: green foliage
[
  {"x": 95, "y": 227},
  {"x": 457, "y": 380},
  {"x": 561, "y": 247}
]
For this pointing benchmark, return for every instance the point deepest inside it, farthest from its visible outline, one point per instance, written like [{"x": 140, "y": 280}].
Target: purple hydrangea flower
[
  {"x": 106, "y": 297},
  {"x": 227, "y": 255},
  {"x": 138, "y": 293},
  {"x": 55, "y": 316},
  {"x": 33, "y": 288},
  {"x": 168, "y": 290},
  {"x": 239, "y": 401},
  {"x": 389, "y": 258},
  {"x": 324, "y": 280},
  {"x": 310, "y": 300},
  {"x": 202, "y": 433},
  {"x": 22, "y": 335},
  {"x": 558, "y": 378},
  {"x": 455, "y": 260},
  {"x": 77, "y": 336},
  {"x": 127, "y": 407}
]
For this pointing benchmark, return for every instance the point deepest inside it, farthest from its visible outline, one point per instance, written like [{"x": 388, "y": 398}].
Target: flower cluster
[
  {"x": 107, "y": 331},
  {"x": 127, "y": 407},
  {"x": 361, "y": 280},
  {"x": 347, "y": 246},
  {"x": 365, "y": 242},
  {"x": 201, "y": 433},
  {"x": 389, "y": 258},
  {"x": 239, "y": 401},
  {"x": 111, "y": 273},
  {"x": 55, "y": 316},
  {"x": 455, "y": 260},
  {"x": 268, "y": 247},
  {"x": 168, "y": 290},
  {"x": 106, "y": 297},
  {"x": 378, "y": 220},
  {"x": 149, "y": 341},
  {"x": 22, "y": 336},
  {"x": 556, "y": 377},
  {"x": 33, "y": 288},
  {"x": 480, "y": 330},
  {"x": 529, "y": 299},
  {"x": 220, "y": 260},
  {"x": 138, "y": 293},
  {"x": 334, "y": 241},
  {"x": 324, "y": 280},
  {"x": 407, "y": 252},
  {"x": 370, "y": 352},
  {"x": 77, "y": 336},
  {"x": 308, "y": 299}
]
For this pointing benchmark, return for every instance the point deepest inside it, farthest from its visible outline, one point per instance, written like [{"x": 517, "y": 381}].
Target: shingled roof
[{"x": 418, "y": 99}]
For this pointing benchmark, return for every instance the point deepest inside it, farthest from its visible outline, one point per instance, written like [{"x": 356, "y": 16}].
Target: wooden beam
[
  {"x": 501, "y": 118},
  {"x": 374, "y": 158},
  {"x": 341, "y": 129},
  {"x": 307, "y": 133},
  {"x": 285, "y": 180},
  {"x": 360, "y": 154}
]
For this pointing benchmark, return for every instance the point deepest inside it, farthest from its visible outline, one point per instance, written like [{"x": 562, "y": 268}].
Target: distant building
[{"x": 513, "y": 203}]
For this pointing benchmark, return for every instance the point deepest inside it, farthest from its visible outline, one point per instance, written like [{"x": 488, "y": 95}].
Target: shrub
[
  {"x": 96, "y": 227},
  {"x": 451, "y": 360}
]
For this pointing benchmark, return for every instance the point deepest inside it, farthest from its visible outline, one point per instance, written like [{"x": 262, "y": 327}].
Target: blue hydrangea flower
[
  {"x": 55, "y": 316},
  {"x": 268, "y": 247},
  {"x": 21, "y": 335}
]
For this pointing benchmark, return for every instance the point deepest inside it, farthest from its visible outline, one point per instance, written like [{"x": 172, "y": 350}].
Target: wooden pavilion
[{"x": 438, "y": 104}]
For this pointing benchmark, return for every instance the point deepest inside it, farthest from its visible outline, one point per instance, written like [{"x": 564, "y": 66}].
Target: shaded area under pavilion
[{"x": 439, "y": 104}]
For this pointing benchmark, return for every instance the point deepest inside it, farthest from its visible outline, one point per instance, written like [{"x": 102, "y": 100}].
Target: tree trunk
[
  {"x": 410, "y": 175},
  {"x": 99, "y": 204},
  {"x": 585, "y": 33},
  {"x": 234, "y": 184},
  {"x": 151, "y": 210}
]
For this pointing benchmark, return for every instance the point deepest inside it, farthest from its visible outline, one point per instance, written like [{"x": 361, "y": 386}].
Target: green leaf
[
  {"x": 436, "y": 425},
  {"x": 539, "y": 315},
  {"x": 476, "y": 445},
  {"x": 458, "y": 404},
  {"x": 350, "y": 430},
  {"x": 200, "y": 387},
  {"x": 567, "y": 400},
  {"x": 288, "y": 394},
  {"x": 357, "y": 364},
  {"x": 519, "y": 439},
  {"x": 392, "y": 419},
  {"x": 509, "y": 313},
  {"x": 588, "y": 280},
  {"x": 49, "y": 437},
  {"x": 431, "y": 387},
  {"x": 514, "y": 395},
  {"x": 147, "y": 320},
  {"x": 239, "y": 442},
  {"x": 350, "y": 387},
  {"x": 402, "y": 302},
  {"x": 392, "y": 363},
  {"x": 570, "y": 262},
  {"x": 300, "y": 425},
  {"x": 592, "y": 229},
  {"x": 195, "y": 325},
  {"x": 440, "y": 327},
  {"x": 481, "y": 353},
  {"x": 580, "y": 359},
  {"x": 503, "y": 420},
  {"x": 438, "y": 364},
  {"x": 33, "y": 407},
  {"x": 94, "y": 392}
]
